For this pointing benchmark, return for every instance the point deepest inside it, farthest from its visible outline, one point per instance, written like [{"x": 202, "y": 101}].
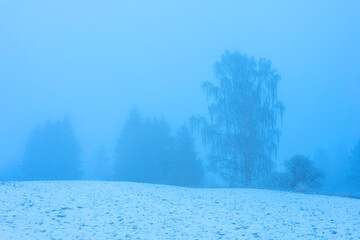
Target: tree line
[
  {"x": 145, "y": 152},
  {"x": 241, "y": 134}
]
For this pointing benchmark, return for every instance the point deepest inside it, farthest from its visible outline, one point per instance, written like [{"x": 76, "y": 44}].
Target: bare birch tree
[{"x": 242, "y": 131}]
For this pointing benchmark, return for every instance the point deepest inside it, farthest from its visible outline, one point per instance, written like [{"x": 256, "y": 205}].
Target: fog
[{"x": 93, "y": 62}]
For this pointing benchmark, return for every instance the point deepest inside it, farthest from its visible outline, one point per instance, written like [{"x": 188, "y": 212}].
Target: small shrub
[{"x": 301, "y": 175}]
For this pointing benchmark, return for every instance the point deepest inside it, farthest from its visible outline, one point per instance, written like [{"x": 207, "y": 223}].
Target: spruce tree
[{"x": 52, "y": 153}]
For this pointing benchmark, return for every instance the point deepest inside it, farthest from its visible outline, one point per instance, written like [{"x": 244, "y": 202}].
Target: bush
[{"x": 301, "y": 175}]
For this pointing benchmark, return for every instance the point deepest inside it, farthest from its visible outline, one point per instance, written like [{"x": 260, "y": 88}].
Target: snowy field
[{"x": 121, "y": 210}]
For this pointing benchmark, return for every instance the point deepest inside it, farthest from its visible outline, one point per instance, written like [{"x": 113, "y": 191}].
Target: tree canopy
[{"x": 242, "y": 131}]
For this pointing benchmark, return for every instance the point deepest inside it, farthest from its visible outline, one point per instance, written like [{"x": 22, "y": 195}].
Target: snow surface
[{"x": 123, "y": 210}]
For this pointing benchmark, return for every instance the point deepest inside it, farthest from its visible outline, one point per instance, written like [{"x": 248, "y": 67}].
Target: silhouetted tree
[
  {"x": 355, "y": 165},
  {"x": 242, "y": 132},
  {"x": 129, "y": 155},
  {"x": 143, "y": 150},
  {"x": 52, "y": 153},
  {"x": 186, "y": 169},
  {"x": 301, "y": 174},
  {"x": 157, "y": 150}
]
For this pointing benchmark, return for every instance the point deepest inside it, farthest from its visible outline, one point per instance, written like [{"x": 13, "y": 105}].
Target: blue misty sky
[{"x": 95, "y": 60}]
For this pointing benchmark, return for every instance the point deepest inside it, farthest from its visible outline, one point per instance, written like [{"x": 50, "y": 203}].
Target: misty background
[{"x": 94, "y": 62}]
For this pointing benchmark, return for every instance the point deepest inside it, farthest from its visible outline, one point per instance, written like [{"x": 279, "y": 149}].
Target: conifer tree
[{"x": 52, "y": 153}]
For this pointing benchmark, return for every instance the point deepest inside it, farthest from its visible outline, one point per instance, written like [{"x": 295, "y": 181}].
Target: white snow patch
[{"x": 123, "y": 210}]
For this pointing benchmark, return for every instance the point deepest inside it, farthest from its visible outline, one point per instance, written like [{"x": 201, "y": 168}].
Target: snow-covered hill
[{"x": 122, "y": 210}]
